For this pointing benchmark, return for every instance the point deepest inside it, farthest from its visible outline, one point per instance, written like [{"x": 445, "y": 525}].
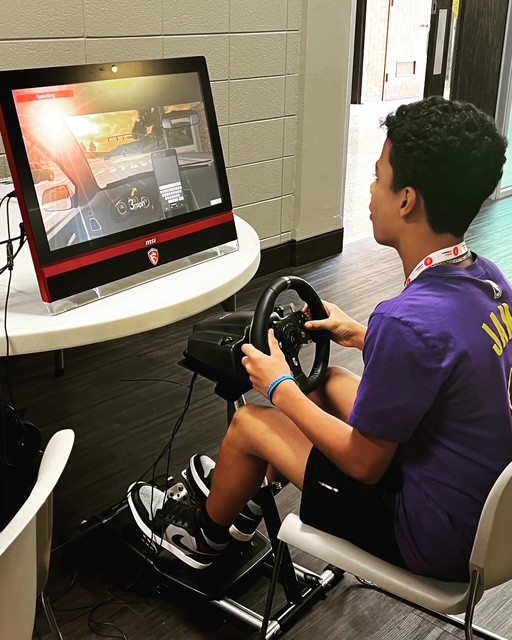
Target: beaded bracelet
[{"x": 273, "y": 386}]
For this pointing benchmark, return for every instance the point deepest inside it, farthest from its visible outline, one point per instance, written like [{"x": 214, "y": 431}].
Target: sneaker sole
[
  {"x": 240, "y": 536},
  {"x": 154, "y": 537}
]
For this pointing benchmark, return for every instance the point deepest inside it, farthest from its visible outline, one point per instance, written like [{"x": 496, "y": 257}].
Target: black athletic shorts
[{"x": 363, "y": 514}]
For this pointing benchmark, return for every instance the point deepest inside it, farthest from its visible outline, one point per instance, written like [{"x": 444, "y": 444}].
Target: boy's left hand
[{"x": 263, "y": 369}]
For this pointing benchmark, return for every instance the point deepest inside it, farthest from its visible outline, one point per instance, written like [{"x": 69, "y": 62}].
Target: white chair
[
  {"x": 25, "y": 548},
  {"x": 490, "y": 564}
]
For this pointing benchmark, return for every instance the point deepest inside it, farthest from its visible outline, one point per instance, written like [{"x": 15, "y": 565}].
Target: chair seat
[{"x": 437, "y": 595}]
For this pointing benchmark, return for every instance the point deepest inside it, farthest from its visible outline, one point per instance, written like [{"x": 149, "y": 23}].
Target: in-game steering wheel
[{"x": 290, "y": 332}]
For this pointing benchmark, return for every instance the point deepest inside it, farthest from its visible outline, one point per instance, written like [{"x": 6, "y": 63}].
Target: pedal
[{"x": 177, "y": 492}]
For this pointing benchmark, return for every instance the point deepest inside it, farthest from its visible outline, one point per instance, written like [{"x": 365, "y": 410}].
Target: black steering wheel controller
[
  {"x": 214, "y": 349},
  {"x": 290, "y": 331}
]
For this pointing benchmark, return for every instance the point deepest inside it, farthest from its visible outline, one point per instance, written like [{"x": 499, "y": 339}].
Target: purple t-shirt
[{"x": 437, "y": 379}]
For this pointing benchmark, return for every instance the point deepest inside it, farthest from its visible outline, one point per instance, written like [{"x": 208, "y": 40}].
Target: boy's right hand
[{"x": 343, "y": 329}]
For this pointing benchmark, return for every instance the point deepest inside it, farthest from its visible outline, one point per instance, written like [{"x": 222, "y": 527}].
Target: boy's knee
[
  {"x": 244, "y": 417},
  {"x": 248, "y": 424}
]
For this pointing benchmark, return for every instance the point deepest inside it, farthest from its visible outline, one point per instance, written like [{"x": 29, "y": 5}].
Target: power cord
[
  {"x": 165, "y": 452},
  {"x": 11, "y": 256},
  {"x": 104, "y": 517},
  {"x": 10, "y": 253}
]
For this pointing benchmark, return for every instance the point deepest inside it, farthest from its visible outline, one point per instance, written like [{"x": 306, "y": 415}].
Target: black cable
[
  {"x": 7, "y": 346},
  {"x": 167, "y": 448},
  {"x": 91, "y": 622},
  {"x": 4, "y": 516},
  {"x": 11, "y": 256},
  {"x": 92, "y": 608},
  {"x": 152, "y": 468}
]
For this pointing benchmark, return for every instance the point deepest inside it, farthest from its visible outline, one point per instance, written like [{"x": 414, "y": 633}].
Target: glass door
[{"x": 504, "y": 110}]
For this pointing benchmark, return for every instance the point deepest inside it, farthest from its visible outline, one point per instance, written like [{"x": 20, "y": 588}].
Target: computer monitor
[{"x": 119, "y": 173}]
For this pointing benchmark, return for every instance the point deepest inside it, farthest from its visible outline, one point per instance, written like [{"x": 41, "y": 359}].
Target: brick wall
[{"x": 253, "y": 50}]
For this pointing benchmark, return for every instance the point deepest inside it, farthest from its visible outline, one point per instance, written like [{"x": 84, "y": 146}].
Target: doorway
[
  {"x": 401, "y": 53},
  {"x": 406, "y": 49},
  {"x": 391, "y": 49},
  {"x": 391, "y": 71}
]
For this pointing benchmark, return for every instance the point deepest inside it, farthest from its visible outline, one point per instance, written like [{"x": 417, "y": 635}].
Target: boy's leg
[
  {"x": 338, "y": 393},
  {"x": 260, "y": 441},
  {"x": 263, "y": 441},
  {"x": 364, "y": 514}
]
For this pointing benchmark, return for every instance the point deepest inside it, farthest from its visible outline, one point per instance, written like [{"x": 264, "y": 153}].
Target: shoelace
[{"x": 173, "y": 512}]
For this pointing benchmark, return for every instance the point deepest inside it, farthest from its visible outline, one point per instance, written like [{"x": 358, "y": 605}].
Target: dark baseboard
[{"x": 295, "y": 254}]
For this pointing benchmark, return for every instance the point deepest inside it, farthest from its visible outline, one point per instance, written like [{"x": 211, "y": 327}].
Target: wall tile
[
  {"x": 112, "y": 49},
  {"x": 263, "y": 15},
  {"x": 257, "y": 54},
  {"x": 290, "y": 136},
  {"x": 292, "y": 52},
  {"x": 294, "y": 14},
  {"x": 123, "y": 18},
  {"x": 256, "y": 99},
  {"x": 286, "y": 237},
  {"x": 264, "y": 217},
  {"x": 287, "y": 213},
  {"x": 252, "y": 183},
  {"x": 288, "y": 175},
  {"x": 214, "y": 48},
  {"x": 256, "y": 141},
  {"x": 224, "y": 139},
  {"x": 292, "y": 95},
  {"x": 5, "y": 172},
  {"x": 195, "y": 16},
  {"x": 27, "y": 54},
  {"x": 33, "y": 19},
  {"x": 220, "y": 91},
  {"x": 266, "y": 243}
]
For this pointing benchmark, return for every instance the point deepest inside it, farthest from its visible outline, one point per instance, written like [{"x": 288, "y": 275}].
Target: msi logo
[{"x": 153, "y": 256}]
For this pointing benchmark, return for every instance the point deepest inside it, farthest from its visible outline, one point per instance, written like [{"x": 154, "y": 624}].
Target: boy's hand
[
  {"x": 343, "y": 329},
  {"x": 263, "y": 369}
]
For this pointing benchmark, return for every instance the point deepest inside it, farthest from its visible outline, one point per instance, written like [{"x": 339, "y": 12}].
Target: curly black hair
[{"x": 451, "y": 153}]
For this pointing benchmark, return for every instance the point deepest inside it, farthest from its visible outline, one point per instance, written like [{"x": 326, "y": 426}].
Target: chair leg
[
  {"x": 470, "y": 606},
  {"x": 50, "y": 616}
]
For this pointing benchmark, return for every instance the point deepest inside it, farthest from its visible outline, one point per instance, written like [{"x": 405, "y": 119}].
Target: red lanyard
[{"x": 450, "y": 255}]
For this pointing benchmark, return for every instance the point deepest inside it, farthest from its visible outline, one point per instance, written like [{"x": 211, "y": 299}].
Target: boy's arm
[{"x": 363, "y": 458}]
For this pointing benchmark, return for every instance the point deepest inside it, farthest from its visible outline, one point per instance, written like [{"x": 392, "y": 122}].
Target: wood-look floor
[{"x": 123, "y": 397}]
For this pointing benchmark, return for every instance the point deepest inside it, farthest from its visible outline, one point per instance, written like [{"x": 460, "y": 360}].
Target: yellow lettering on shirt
[
  {"x": 501, "y": 331},
  {"x": 497, "y": 346},
  {"x": 506, "y": 316}
]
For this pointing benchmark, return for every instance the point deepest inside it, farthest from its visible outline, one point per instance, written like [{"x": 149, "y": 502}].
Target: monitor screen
[{"x": 118, "y": 169}]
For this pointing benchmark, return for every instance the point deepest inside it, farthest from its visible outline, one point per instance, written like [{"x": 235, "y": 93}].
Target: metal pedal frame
[{"x": 300, "y": 585}]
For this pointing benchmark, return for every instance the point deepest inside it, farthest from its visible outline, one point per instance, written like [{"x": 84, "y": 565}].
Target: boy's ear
[{"x": 408, "y": 201}]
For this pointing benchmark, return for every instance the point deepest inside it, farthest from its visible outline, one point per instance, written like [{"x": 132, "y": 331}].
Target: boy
[{"x": 401, "y": 460}]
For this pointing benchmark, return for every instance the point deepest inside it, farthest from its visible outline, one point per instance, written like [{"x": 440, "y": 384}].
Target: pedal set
[{"x": 178, "y": 492}]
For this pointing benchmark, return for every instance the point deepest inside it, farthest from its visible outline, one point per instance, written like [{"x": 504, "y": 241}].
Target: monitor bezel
[{"x": 61, "y": 258}]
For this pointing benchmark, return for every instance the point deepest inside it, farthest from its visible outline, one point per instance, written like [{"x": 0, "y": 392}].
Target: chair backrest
[
  {"x": 492, "y": 553},
  {"x": 23, "y": 571}
]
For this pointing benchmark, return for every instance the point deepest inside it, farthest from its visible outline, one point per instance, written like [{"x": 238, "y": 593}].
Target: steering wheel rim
[{"x": 261, "y": 322}]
